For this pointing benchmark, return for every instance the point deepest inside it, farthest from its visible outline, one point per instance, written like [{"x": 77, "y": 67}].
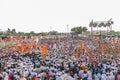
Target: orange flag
[
  {"x": 102, "y": 51},
  {"x": 31, "y": 46},
  {"x": 87, "y": 50},
  {"x": 22, "y": 47},
  {"x": 77, "y": 48},
  {"x": 102, "y": 47},
  {"x": 82, "y": 45},
  {"x": 10, "y": 39},
  {"x": 34, "y": 77},
  {"x": 44, "y": 50},
  {"x": 115, "y": 41},
  {"x": 19, "y": 39},
  {"x": 112, "y": 41}
]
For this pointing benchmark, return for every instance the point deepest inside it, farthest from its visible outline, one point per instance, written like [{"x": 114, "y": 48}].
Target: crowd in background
[{"x": 62, "y": 61}]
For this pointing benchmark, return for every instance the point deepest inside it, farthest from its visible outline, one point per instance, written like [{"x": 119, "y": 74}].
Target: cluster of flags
[
  {"x": 114, "y": 41},
  {"x": 24, "y": 46},
  {"x": 81, "y": 47},
  {"x": 104, "y": 48},
  {"x": 113, "y": 46}
]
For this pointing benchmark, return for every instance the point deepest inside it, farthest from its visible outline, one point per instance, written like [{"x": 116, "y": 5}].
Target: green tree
[
  {"x": 27, "y": 34},
  {"x": 32, "y": 33},
  {"x": 118, "y": 33},
  {"x": 13, "y": 31},
  {"x": 84, "y": 29},
  {"x": 1, "y": 33},
  {"x": 111, "y": 32},
  {"x": 21, "y": 34},
  {"x": 8, "y": 31},
  {"x": 87, "y": 33},
  {"x": 79, "y": 30},
  {"x": 53, "y": 33},
  {"x": 43, "y": 33}
]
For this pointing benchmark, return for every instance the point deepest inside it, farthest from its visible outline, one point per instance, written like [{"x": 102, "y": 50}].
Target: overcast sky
[{"x": 39, "y": 15}]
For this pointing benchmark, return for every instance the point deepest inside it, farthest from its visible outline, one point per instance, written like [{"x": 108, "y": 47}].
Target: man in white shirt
[{"x": 103, "y": 76}]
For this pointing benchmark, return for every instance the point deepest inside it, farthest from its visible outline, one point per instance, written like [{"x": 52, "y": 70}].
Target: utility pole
[
  {"x": 67, "y": 30},
  {"x": 50, "y": 28},
  {"x": 91, "y": 25},
  {"x": 50, "y": 31}
]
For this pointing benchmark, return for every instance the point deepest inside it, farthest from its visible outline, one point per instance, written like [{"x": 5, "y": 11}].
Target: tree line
[{"x": 74, "y": 31}]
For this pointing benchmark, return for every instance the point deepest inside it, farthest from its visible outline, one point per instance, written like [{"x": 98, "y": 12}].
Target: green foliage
[
  {"x": 13, "y": 31},
  {"x": 27, "y": 34},
  {"x": 114, "y": 33},
  {"x": 8, "y": 31},
  {"x": 74, "y": 30},
  {"x": 87, "y": 33},
  {"x": 32, "y": 33},
  {"x": 53, "y": 33},
  {"x": 1, "y": 33},
  {"x": 84, "y": 29},
  {"x": 79, "y": 30},
  {"x": 21, "y": 34},
  {"x": 43, "y": 33}
]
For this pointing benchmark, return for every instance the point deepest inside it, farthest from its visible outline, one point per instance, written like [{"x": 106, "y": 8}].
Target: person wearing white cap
[
  {"x": 108, "y": 76},
  {"x": 112, "y": 77},
  {"x": 96, "y": 77},
  {"x": 80, "y": 73},
  {"x": 58, "y": 77},
  {"x": 89, "y": 75},
  {"x": 89, "y": 78},
  {"x": 39, "y": 77},
  {"x": 5, "y": 76},
  {"x": 103, "y": 76}
]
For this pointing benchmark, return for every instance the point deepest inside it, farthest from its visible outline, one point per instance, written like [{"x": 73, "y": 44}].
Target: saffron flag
[
  {"x": 77, "y": 48},
  {"x": 82, "y": 45},
  {"x": 87, "y": 50},
  {"x": 44, "y": 50}
]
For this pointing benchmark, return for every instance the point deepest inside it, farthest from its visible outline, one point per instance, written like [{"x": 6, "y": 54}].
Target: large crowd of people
[{"x": 62, "y": 61}]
